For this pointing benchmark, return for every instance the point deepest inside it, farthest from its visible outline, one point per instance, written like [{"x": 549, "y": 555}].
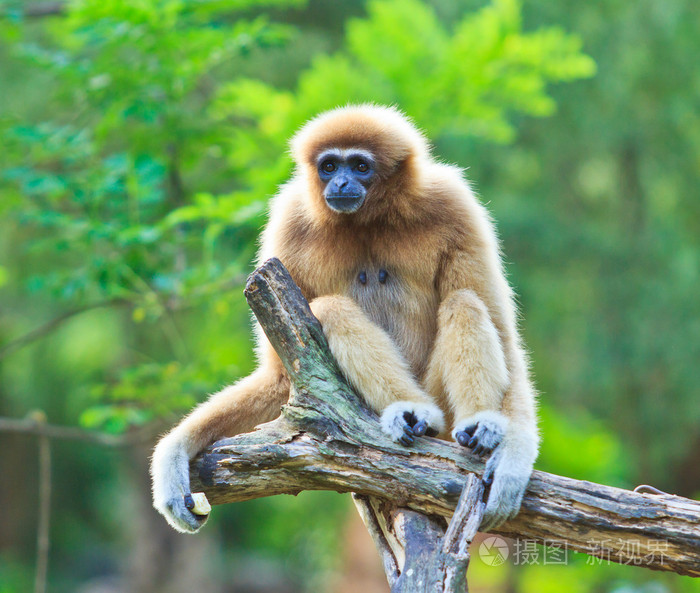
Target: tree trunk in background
[
  {"x": 161, "y": 560},
  {"x": 360, "y": 567}
]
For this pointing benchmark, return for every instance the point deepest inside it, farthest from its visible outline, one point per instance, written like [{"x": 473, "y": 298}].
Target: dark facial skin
[{"x": 346, "y": 175}]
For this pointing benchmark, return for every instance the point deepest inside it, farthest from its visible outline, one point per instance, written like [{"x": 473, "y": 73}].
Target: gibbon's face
[{"x": 345, "y": 175}]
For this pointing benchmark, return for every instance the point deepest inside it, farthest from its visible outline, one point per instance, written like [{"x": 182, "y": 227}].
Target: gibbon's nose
[{"x": 341, "y": 182}]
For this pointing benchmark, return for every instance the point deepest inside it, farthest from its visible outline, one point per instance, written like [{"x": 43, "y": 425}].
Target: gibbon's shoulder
[
  {"x": 288, "y": 220},
  {"x": 454, "y": 202},
  {"x": 446, "y": 183}
]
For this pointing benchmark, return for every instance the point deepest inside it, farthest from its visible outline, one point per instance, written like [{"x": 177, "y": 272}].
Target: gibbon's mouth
[{"x": 345, "y": 204}]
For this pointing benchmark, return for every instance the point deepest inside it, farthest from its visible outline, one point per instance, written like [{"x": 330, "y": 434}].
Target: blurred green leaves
[
  {"x": 141, "y": 393},
  {"x": 469, "y": 81},
  {"x": 582, "y": 448},
  {"x": 124, "y": 194},
  {"x": 149, "y": 182}
]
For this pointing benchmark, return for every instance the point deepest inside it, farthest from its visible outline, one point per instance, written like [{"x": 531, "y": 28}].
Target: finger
[
  {"x": 489, "y": 471},
  {"x": 420, "y": 428},
  {"x": 462, "y": 438},
  {"x": 470, "y": 430},
  {"x": 189, "y": 501}
]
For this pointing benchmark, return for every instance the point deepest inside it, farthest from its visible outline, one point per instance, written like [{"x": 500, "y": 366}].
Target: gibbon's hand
[
  {"x": 482, "y": 432},
  {"x": 403, "y": 421},
  {"x": 508, "y": 469},
  {"x": 172, "y": 498}
]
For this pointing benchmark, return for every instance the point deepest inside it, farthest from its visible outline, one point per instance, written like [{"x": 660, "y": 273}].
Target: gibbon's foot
[
  {"x": 508, "y": 474},
  {"x": 180, "y": 515},
  {"x": 482, "y": 432},
  {"x": 403, "y": 421},
  {"x": 170, "y": 470}
]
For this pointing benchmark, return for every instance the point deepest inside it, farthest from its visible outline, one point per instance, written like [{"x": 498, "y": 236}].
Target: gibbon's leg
[
  {"x": 467, "y": 368},
  {"x": 236, "y": 409},
  {"x": 493, "y": 402},
  {"x": 375, "y": 367}
]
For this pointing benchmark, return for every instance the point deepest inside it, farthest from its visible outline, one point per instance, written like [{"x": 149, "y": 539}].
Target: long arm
[
  {"x": 467, "y": 368},
  {"x": 477, "y": 268},
  {"x": 236, "y": 409}
]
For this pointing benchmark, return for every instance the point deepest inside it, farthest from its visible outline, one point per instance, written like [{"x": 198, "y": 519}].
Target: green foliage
[
  {"x": 109, "y": 175},
  {"x": 133, "y": 76},
  {"x": 582, "y": 449},
  {"x": 467, "y": 81},
  {"x": 606, "y": 225}
]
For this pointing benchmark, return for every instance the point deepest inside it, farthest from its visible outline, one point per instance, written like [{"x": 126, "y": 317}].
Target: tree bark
[
  {"x": 417, "y": 552},
  {"x": 326, "y": 438}
]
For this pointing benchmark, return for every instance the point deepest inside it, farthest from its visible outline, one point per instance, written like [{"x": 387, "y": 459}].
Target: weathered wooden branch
[
  {"x": 418, "y": 553},
  {"x": 327, "y": 439}
]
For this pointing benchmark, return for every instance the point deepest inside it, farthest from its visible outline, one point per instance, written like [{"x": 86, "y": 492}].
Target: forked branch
[{"x": 327, "y": 439}]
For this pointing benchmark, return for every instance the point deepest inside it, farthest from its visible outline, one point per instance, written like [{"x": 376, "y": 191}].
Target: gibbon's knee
[
  {"x": 365, "y": 352},
  {"x": 333, "y": 311},
  {"x": 346, "y": 328},
  {"x": 359, "y": 345},
  {"x": 468, "y": 355},
  {"x": 368, "y": 357}
]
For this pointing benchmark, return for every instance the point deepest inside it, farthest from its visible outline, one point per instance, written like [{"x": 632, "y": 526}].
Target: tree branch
[
  {"x": 51, "y": 325},
  {"x": 37, "y": 10},
  {"x": 327, "y": 439},
  {"x": 33, "y": 425},
  {"x": 43, "y": 539}
]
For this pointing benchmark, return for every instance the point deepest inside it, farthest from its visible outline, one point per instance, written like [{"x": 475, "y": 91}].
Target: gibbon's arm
[
  {"x": 478, "y": 270},
  {"x": 237, "y": 408},
  {"x": 467, "y": 367}
]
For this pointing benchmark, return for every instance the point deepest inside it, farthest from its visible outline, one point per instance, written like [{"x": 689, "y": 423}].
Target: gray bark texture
[{"x": 326, "y": 438}]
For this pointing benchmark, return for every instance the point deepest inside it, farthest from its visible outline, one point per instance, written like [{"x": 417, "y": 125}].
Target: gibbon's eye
[
  {"x": 362, "y": 167},
  {"x": 328, "y": 167}
]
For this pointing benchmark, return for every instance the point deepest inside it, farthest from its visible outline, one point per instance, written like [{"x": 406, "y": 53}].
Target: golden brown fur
[{"x": 440, "y": 330}]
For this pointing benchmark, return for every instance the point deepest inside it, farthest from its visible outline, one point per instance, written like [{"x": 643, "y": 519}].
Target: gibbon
[{"x": 401, "y": 265}]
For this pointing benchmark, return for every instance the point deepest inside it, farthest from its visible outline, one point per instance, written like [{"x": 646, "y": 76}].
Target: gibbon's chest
[
  {"x": 391, "y": 278},
  {"x": 400, "y": 302},
  {"x": 394, "y": 284}
]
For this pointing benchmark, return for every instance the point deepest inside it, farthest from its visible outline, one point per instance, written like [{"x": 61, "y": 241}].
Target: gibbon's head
[{"x": 359, "y": 162}]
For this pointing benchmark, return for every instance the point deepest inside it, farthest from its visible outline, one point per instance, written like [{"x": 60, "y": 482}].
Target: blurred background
[{"x": 140, "y": 142}]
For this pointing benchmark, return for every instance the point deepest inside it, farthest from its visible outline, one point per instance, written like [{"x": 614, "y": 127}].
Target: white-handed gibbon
[{"x": 401, "y": 265}]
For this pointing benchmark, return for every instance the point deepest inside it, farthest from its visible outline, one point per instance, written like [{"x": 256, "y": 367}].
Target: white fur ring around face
[{"x": 403, "y": 421}]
